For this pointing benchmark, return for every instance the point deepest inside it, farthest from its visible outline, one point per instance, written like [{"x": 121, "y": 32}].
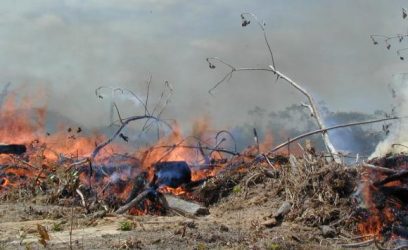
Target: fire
[
  {"x": 111, "y": 178},
  {"x": 383, "y": 202}
]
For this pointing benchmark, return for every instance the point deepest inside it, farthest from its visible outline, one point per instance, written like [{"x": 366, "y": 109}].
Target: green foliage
[
  {"x": 237, "y": 189},
  {"x": 201, "y": 246},
  {"x": 57, "y": 227},
  {"x": 125, "y": 225},
  {"x": 273, "y": 246}
]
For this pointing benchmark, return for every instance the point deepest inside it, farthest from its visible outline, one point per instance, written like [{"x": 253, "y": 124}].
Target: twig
[
  {"x": 233, "y": 69},
  {"x": 230, "y": 135},
  {"x": 268, "y": 161},
  {"x": 359, "y": 244},
  {"x": 382, "y": 169},
  {"x": 262, "y": 26},
  {"x": 83, "y": 203},
  {"x": 122, "y": 91},
  {"x": 77, "y": 164},
  {"x": 22, "y": 161},
  {"x": 398, "y": 144}
]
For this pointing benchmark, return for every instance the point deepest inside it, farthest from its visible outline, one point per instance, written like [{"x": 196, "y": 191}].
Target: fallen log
[
  {"x": 16, "y": 149},
  {"x": 185, "y": 207},
  {"x": 134, "y": 202}
]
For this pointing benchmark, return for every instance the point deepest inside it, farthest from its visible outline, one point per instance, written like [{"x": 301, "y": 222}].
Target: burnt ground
[{"x": 320, "y": 194}]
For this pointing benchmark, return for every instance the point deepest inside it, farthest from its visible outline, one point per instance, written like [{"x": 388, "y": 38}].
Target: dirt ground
[{"x": 235, "y": 222}]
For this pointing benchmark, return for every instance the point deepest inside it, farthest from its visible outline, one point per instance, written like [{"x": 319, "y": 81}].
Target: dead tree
[{"x": 312, "y": 105}]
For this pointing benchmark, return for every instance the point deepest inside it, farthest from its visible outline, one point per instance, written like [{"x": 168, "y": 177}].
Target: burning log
[{"x": 16, "y": 149}]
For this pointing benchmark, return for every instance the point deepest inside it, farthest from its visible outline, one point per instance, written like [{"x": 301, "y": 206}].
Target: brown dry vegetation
[{"x": 241, "y": 204}]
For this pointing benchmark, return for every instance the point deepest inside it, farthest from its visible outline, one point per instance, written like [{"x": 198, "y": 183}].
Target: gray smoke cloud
[{"x": 70, "y": 47}]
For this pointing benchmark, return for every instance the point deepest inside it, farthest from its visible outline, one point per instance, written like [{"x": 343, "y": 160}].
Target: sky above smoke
[{"x": 68, "y": 48}]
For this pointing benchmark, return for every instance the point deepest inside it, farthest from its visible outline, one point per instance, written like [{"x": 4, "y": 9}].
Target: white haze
[{"x": 398, "y": 130}]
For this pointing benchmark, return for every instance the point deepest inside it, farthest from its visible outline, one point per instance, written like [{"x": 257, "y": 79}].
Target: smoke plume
[{"x": 397, "y": 139}]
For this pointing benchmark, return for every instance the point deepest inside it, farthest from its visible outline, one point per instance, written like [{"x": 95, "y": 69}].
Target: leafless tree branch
[{"x": 331, "y": 128}]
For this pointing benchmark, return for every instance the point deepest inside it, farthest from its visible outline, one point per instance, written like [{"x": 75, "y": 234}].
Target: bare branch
[
  {"x": 262, "y": 26},
  {"x": 313, "y": 106},
  {"x": 230, "y": 135},
  {"x": 331, "y": 128},
  {"x": 117, "y": 110},
  {"x": 212, "y": 62},
  {"x": 377, "y": 168}
]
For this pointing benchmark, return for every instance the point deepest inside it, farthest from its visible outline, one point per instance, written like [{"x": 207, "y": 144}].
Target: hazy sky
[{"x": 69, "y": 47}]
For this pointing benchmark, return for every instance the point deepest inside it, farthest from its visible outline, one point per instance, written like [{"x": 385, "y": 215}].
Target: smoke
[
  {"x": 397, "y": 139},
  {"x": 72, "y": 47}
]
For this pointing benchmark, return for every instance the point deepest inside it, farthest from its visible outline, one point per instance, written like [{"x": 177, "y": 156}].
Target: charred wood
[
  {"x": 16, "y": 149},
  {"x": 398, "y": 192},
  {"x": 395, "y": 177},
  {"x": 171, "y": 173}
]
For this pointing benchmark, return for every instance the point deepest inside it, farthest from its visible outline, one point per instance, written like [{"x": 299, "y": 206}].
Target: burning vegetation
[
  {"x": 192, "y": 191},
  {"x": 199, "y": 175}
]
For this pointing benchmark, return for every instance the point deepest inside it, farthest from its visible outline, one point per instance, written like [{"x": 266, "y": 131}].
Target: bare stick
[
  {"x": 377, "y": 168},
  {"x": 331, "y": 128},
  {"x": 83, "y": 203},
  {"x": 359, "y": 244},
  {"x": 133, "y": 202}
]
